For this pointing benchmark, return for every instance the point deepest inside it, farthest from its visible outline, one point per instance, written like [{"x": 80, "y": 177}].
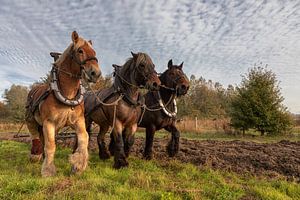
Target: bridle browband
[{"x": 82, "y": 62}]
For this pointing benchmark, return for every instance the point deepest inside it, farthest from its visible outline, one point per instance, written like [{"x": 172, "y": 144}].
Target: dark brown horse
[
  {"x": 137, "y": 72},
  {"x": 161, "y": 109},
  {"x": 53, "y": 106}
]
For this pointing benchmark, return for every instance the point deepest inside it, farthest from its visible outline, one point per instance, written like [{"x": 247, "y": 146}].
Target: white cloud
[{"x": 217, "y": 39}]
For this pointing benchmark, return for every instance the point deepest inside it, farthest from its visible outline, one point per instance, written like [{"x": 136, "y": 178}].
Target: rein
[
  {"x": 128, "y": 83},
  {"x": 115, "y": 103},
  {"x": 164, "y": 106}
]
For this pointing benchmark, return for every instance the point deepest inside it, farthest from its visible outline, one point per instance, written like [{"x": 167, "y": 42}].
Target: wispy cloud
[{"x": 216, "y": 39}]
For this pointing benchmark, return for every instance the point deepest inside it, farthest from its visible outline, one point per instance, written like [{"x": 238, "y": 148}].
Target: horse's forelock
[
  {"x": 81, "y": 42},
  {"x": 143, "y": 58}
]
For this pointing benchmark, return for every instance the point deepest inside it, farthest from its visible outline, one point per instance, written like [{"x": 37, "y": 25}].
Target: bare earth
[{"x": 268, "y": 159}]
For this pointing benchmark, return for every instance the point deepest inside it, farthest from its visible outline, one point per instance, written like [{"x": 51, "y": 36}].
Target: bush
[{"x": 258, "y": 104}]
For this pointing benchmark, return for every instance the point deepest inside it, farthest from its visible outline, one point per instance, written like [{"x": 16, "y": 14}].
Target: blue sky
[{"x": 218, "y": 40}]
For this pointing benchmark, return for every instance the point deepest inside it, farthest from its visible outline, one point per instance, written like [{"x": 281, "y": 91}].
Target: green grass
[{"x": 20, "y": 179}]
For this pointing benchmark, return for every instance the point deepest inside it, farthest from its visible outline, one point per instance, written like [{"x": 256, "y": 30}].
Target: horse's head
[
  {"x": 85, "y": 56},
  {"x": 175, "y": 78},
  {"x": 144, "y": 71}
]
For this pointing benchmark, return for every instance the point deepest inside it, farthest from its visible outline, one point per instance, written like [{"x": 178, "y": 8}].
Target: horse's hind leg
[
  {"x": 79, "y": 159},
  {"x": 48, "y": 168},
  {"x": 36, "y": 152},
  {"x": 103, "y": 151},
  {"x": 173, "y": 146}
]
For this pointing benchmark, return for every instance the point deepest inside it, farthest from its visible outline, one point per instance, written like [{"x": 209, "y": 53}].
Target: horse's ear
[
  {"x": 90, "y": 41},
  {"x": 134, "y": 55},
  {"x": 75, "y": 37},
  {"x": 170, "y": 63},
  {"x": 181, "y": 65}
]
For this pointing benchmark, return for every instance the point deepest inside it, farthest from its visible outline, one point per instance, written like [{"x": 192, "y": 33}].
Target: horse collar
[
  {"x": 54, "y": 85},
  {"x": 165, "y": 109}
]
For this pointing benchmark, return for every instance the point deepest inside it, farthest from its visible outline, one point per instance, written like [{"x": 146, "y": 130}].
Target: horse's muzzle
[
  {"x": 92, "y": 75},
  {"x": 153, "y": 86},
  {"x": 182, "y": 90}
]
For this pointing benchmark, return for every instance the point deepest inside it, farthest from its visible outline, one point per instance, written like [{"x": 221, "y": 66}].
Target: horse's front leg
[
  {"x": 119, "y": 155},
  {"x": 48, "y": 167},
  {"x": 173, "y": 146},
  {"x": 128, "y": 136},
  {"x": 112, "y": 144},
  {"x": 103, "y": 151},
  {"x": 79, "y": 159},
  {"x": 88, "y": 125},
  {"x": 150, "y": 131}
]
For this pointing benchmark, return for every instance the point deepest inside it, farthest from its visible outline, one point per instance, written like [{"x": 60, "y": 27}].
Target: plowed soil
[{"x": 267, "y": 159}]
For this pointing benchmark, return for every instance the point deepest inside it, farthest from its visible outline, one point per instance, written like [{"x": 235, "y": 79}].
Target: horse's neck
[
  {"x": 69, "y": 85},
  {"x": 166, "y": 95},
  {"x": 130, "y": 90}
]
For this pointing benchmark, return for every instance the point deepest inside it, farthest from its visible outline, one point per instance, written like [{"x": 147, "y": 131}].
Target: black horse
[{"x": 160, "y": 111}]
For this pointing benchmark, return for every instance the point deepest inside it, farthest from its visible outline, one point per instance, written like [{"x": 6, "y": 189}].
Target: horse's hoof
[
  {"x": 104, "y": 155},
  {"x": 172, "y": 150},
  {"x": 75, "y": 170},
  {"x": 35, "y": 158},
  {"x": 148, "y": 156},
  {"x": 79, "y": 161},
  {"x": 120, "y": 163},
  {"x": 48, "y": 170},
  {"x": 126, "y": 154}
]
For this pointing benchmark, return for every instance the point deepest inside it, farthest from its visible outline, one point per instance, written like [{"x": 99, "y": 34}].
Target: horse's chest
[
  {"x": 129, "y": 115},
  {"x": 67, "y": 117},
  {"x": 164, "y": 122}
]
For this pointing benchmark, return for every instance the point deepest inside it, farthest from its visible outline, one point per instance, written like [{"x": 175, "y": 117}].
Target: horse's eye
[{"x": 80, "y": 51}]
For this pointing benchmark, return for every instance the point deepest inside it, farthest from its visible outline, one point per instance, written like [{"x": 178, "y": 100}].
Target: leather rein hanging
[{"x": 54, "y": 84}]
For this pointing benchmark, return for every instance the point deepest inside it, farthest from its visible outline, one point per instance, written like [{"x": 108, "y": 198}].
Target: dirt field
[{"x": 272, "y": 159}]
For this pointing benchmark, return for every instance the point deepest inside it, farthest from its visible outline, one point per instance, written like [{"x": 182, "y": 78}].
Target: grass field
[{"x": 20, "y": 179}]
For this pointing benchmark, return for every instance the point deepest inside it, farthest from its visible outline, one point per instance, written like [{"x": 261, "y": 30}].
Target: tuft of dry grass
[
  {"x": 13, "y": 127},
  {"x": 204, "y": 125}
]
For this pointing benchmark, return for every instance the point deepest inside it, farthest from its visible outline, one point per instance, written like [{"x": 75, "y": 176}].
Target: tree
[
  {"x": 258, "y": 103},
  {"x": 15, "y": 98},
  {"x": 206, "y": 99},
  {"x": 3, "y": 111},
  {"x": 103, "y": 82}
]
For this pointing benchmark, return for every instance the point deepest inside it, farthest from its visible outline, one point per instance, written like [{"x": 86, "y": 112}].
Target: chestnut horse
[
  {"x": 52, "y": 107},
  {"x": 137, "y": 72},
  {"x": 161, "y": 109}
]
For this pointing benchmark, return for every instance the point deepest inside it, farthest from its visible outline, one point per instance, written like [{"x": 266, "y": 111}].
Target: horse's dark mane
[
  {"x": 130, "y": 66},
  {"x": 163, "y": 77}
]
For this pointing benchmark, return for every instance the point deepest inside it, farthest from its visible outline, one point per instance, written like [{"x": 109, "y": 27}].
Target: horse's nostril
[{"x": 93, "y": 73}]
